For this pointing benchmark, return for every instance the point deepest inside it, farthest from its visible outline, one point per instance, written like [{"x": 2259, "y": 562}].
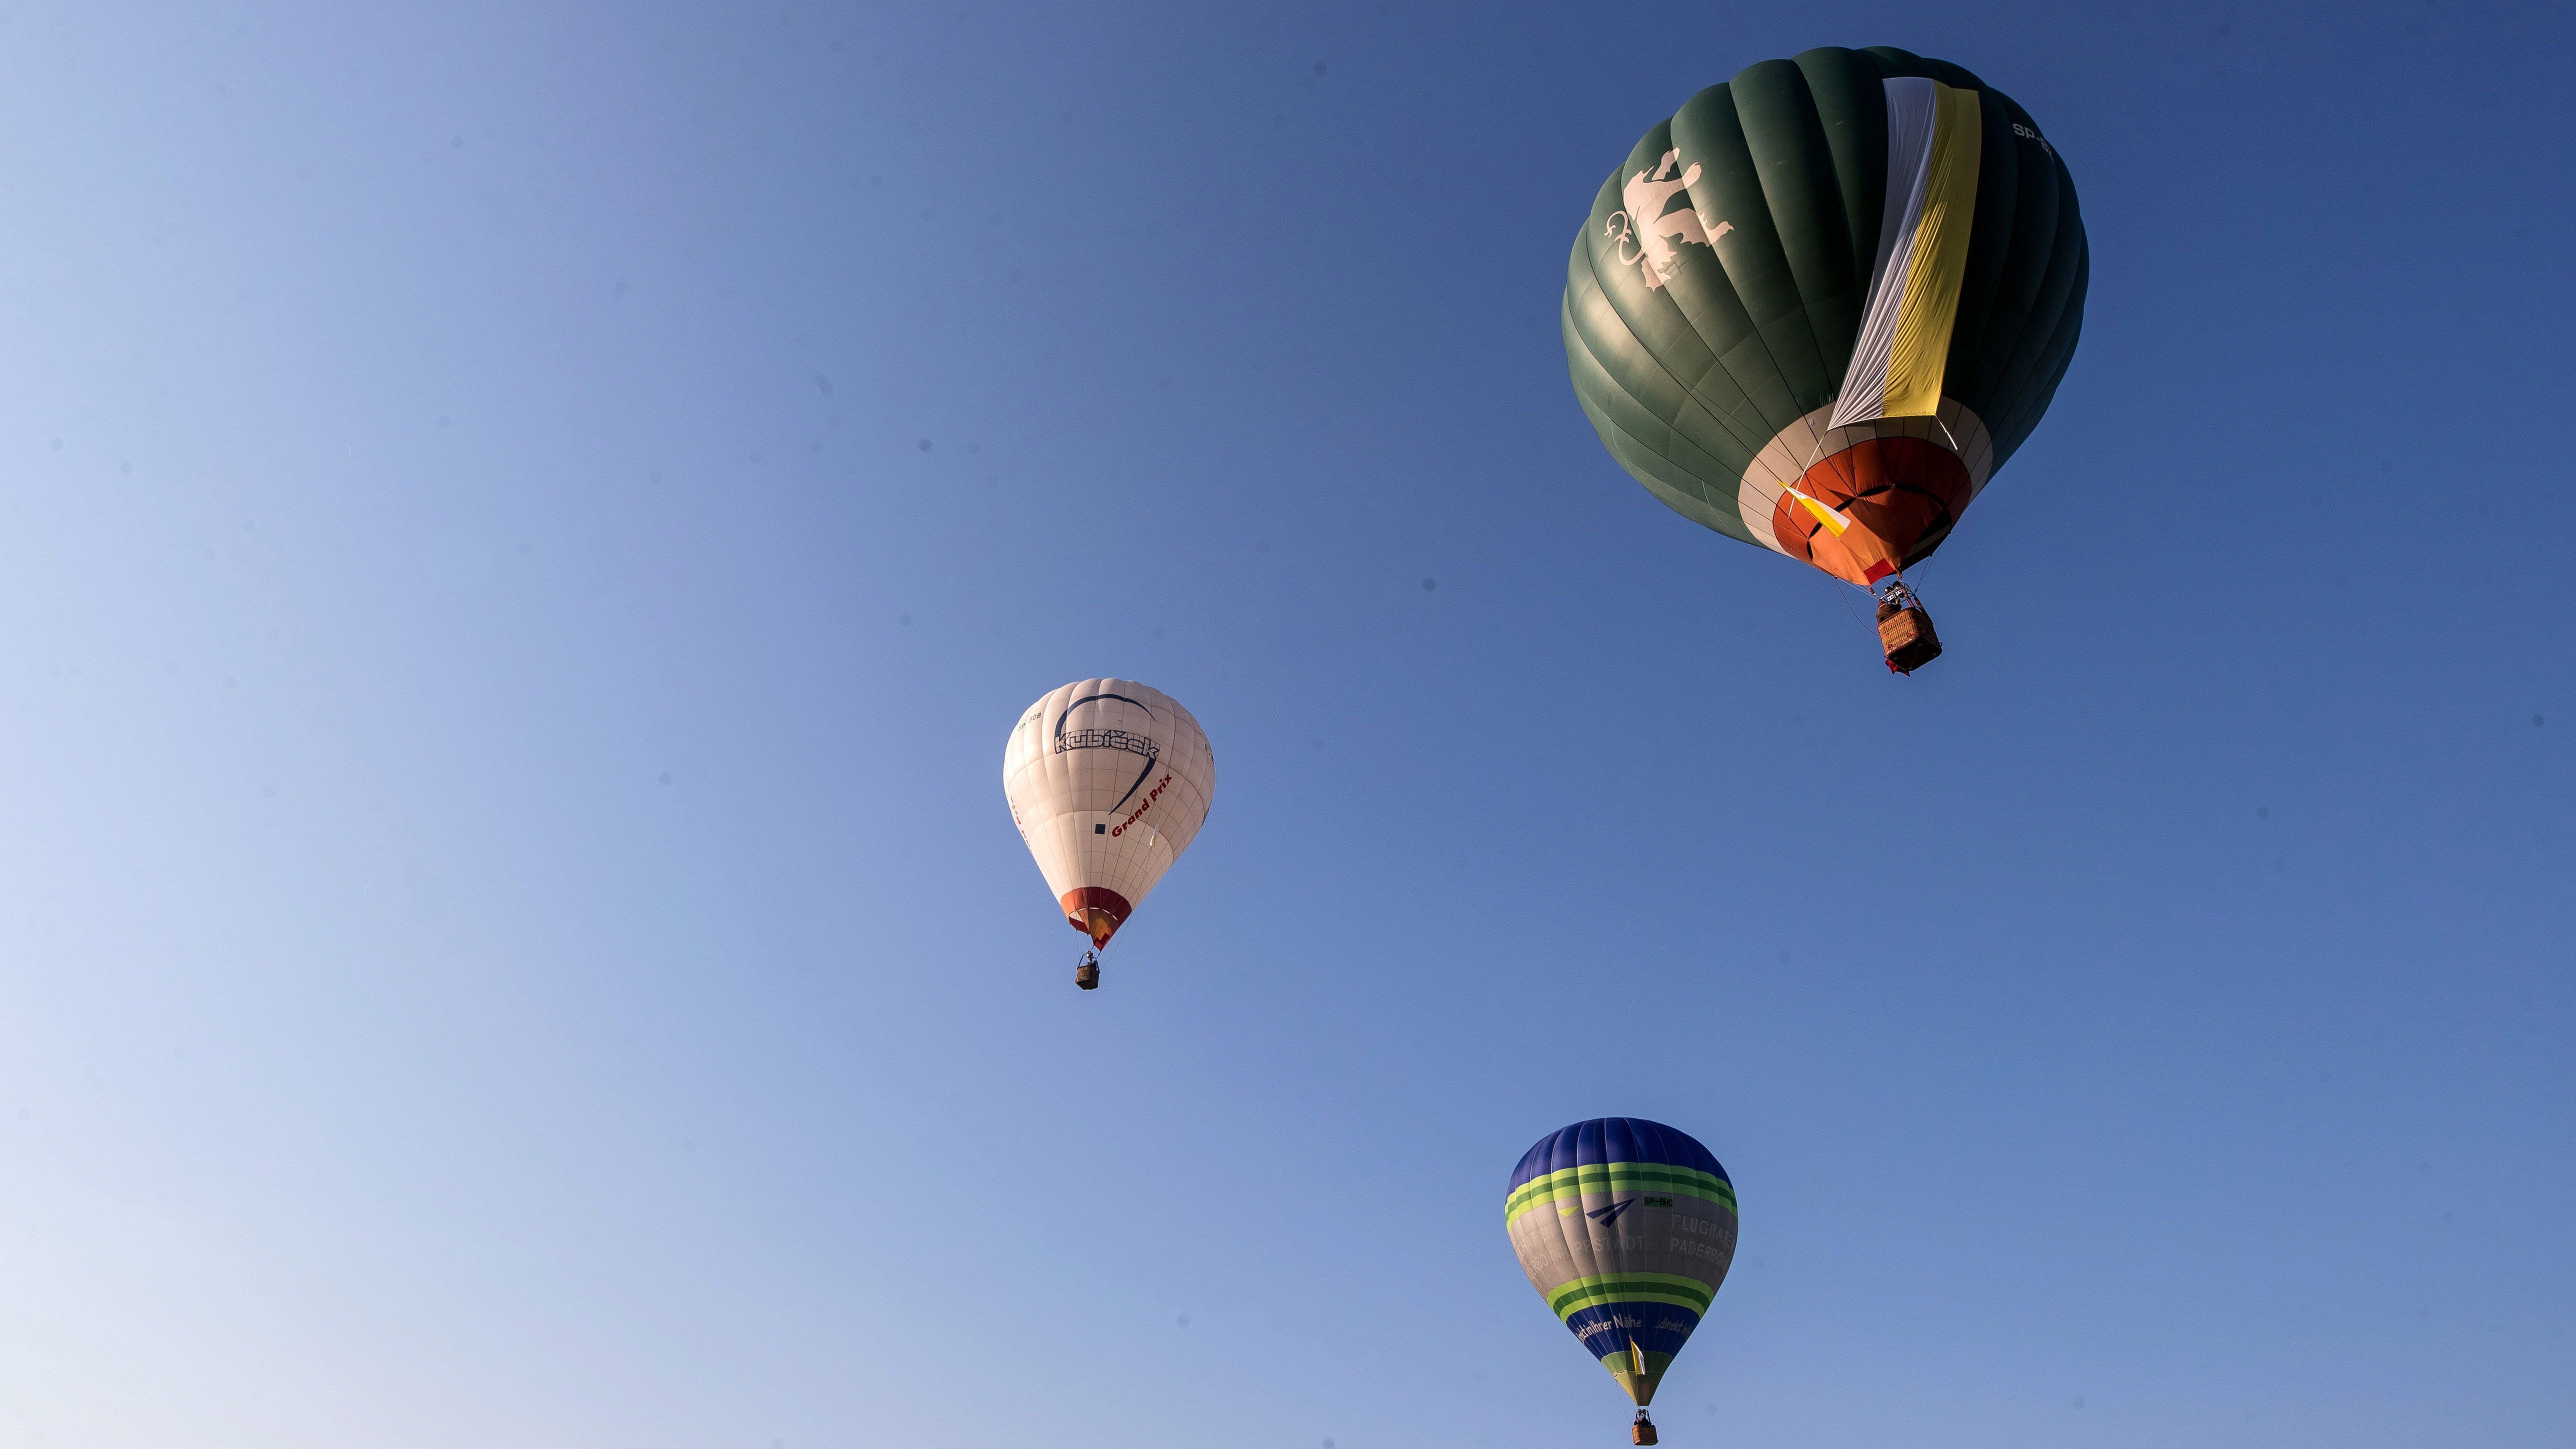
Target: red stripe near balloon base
[
  {"x": 1096, "y": 911},
  {"x": 1902, "y": 494}
]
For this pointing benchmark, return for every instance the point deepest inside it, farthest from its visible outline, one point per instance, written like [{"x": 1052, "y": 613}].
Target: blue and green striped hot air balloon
[{"x": 1626, "y": 1228}]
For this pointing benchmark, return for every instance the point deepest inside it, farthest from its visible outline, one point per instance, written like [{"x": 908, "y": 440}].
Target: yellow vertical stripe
[{"x": 1940, "y": 261}]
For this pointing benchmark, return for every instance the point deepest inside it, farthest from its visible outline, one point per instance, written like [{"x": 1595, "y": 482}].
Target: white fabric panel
[
  {"x": 1811, "y": 439},
  {"x": 1109, "y": 781},
  {"x": 1913, "y": 105}
]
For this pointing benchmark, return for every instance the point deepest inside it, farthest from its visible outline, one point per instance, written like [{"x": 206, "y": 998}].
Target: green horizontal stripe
[
  {"x": 1611, "y": 1298},
  {"x": 1665, "y": 1300},
  {"x": 1628, "y": 1287},
  {"x": 1603, "y": 1173},
  {"x": 1632, "y": 1280},
  {"x": 1647, "y": 1303},
  {"x": 1606, "y": 1187},
  {"x": 1614, "y": 1177}
]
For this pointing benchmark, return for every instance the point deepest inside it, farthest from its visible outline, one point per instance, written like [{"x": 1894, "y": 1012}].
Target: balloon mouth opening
[
  {"x": 1874, "y": 509},
  {"x": 1096, "y": 923},
  {"x": 1096, "y": 912},
  {"x": 1638, "y": 1372}
]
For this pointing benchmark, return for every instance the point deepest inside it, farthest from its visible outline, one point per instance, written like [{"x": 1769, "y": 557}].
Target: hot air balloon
[
  {"x": 1817, "y": 308},
  {"x": 1109, "y": 781},
  {"x": 1626, "y": 1228}
]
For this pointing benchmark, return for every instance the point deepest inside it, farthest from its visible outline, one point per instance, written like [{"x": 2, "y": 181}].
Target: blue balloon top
[{"x": 1614, "y": 1139}]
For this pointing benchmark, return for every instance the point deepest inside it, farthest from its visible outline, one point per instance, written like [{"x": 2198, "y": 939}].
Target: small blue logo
[{"x": 1605, "y": 1216}]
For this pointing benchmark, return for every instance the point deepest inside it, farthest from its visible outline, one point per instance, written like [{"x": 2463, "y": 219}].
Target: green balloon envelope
[{"x": 1817, "y": 308}]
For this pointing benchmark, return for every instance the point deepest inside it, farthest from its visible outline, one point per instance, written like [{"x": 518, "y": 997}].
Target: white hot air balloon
[{"x": 1109, "y": 781}]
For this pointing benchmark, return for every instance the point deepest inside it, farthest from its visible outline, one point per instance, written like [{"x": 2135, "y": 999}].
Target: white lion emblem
[{"x": 1645, "y": 225}]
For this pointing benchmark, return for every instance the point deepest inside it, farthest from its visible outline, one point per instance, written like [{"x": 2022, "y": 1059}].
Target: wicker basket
[{"x": 1905, "y": 633}]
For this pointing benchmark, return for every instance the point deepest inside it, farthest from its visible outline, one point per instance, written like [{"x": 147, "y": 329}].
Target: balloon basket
[
  {"x": 1643, "y": 1431},
  {"x": 1087, "y": 975},
  {"x": 1905, "y": 631}
]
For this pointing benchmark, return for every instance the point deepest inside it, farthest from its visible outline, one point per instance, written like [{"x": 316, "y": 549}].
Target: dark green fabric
[{"x": 1687, "y": 380}]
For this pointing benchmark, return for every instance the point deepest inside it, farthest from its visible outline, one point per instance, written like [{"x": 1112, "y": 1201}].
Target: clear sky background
[{"x": 525, "y": 526}]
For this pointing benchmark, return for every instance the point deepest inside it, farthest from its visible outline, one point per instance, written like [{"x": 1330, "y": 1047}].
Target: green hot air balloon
[{"x": 1821, "y": 305}]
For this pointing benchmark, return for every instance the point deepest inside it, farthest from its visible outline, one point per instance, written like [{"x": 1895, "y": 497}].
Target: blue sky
[{"x": 525, "y": 528}]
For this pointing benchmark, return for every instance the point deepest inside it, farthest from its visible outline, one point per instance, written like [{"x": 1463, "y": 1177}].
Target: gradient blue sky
[{"x": 525, "y": 527}]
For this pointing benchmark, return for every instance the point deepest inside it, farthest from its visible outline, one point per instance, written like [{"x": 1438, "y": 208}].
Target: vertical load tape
[{"x": 1904, "y": 344}]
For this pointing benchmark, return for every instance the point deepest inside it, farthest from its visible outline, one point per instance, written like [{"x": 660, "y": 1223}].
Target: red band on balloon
[{"x": 1096, "y": 911}]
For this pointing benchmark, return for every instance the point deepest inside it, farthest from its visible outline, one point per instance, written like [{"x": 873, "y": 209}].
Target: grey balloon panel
[{"x": 1693, "y": 1238}]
